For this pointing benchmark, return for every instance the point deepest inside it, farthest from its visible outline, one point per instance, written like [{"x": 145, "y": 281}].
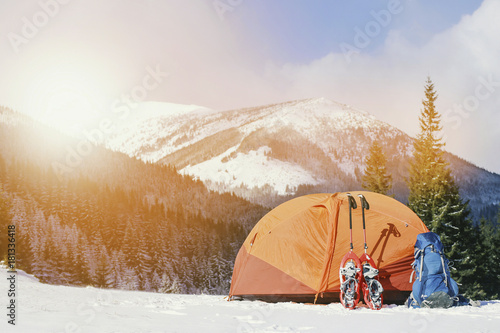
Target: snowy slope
[
  {"x": 159, "y": 136},
  {"x": 48, "y": 308},
  {"x": 254, "y": 169},
  {"x": 151, "y": 126},
  {"x": 142, "y": 124},
  {"x": 267, "y": 153}
]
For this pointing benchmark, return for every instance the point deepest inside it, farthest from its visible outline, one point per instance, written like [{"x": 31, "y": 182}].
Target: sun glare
[{"x": 65, "y": 97}]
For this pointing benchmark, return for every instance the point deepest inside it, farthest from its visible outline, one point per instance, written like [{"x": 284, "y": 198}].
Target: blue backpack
[{"x": 433, "y": 286}]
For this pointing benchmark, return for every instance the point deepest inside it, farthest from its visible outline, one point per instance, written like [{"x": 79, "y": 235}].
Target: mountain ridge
[{"x": 315, "y": 143}]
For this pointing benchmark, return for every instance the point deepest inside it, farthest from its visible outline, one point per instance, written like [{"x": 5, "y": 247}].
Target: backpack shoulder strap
[
  {"x": 444, "y": 269},
  {"x": 421, "y": 264}
]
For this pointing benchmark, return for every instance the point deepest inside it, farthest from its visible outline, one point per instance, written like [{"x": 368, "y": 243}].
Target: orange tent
[{"x": 294, "y": 251}]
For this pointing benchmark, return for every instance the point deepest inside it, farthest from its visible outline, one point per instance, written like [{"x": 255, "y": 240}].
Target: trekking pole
[
  {"x": 364, "y": 205},
  {"x": 352, "y": 205},
  {"x": 350, "y": 269}
]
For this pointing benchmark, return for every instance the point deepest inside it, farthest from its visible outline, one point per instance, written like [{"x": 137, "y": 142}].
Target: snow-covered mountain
[
  {"x": 241, "y": 146},
  {"x": 47, "y": 308},
  {"x": 270, "y": 152}
]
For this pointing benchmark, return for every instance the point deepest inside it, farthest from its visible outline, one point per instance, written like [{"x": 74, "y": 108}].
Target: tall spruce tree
[
  {"x": 435, "y": 197},
  {"x": 375, "y": 178},
  {"x": 488, "y": 254}
]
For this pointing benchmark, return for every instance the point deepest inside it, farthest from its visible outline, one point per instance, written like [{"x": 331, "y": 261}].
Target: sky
[{"x": 73, "y": 60}]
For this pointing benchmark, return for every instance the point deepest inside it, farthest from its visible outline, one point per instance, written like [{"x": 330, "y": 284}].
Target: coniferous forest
[{"x": 114, "y": 221}]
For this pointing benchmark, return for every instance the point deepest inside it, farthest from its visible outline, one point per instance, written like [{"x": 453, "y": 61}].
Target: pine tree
[
  {"x": 488, "y": 255},
  {"x": 169, "y": 285},
  {"x": 104, "y": 274},
  {"x": 128, "y": 279},
  {"x": 376, "y": 178},
  {"x": 435, "y": 197}
]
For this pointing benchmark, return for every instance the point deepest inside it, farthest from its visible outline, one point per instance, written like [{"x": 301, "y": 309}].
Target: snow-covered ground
[
  {"x": 252, "y": 169},
  {"x": 47, "y": 308}
]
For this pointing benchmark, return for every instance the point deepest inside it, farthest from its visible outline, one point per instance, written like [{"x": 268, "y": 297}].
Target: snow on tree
[
  {"x": 169, "y": 285},
  {"x": 128, "y": 280}
]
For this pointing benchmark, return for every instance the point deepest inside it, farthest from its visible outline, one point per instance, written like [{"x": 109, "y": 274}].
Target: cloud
[{"x": 462, "y": 61}]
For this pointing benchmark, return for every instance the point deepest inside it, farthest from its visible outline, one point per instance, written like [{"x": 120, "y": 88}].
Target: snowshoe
[
  {"x": 372, "y": 288},
  {"x": 350, "y": 269},
  {"x": 350, "y": 275}
]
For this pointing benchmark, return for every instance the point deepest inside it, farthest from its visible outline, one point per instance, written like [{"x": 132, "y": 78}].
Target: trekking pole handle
[
  {"x": 352, "y": 201},
  {"x": 352, "y": 205},
  {"x": 364, "y": 205}
]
